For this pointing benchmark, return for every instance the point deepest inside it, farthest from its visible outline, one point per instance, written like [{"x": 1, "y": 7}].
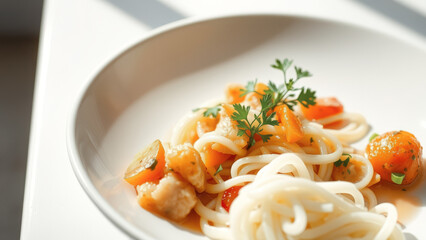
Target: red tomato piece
[
  {"x": 324, "y": 107},
  {"x": 229, "y": 195}
]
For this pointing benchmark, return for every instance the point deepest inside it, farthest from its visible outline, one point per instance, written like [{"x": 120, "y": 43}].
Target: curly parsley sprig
[
  {"x": 275, "y": 95},
  {"x": 251, "y": 127},
  {"x": 285, "y": 93},
  {"x": 209, "y": 111}
]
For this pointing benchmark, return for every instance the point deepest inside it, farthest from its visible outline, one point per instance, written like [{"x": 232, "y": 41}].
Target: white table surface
[{"x": 78, "y": 36}]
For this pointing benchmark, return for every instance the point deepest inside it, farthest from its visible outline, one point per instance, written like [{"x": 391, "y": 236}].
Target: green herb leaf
[
  {"x": 345, "y": 162},
  {"x": 213, "y": 111},
  {"x": 249, "y": 88},
  {"x": 284, "y": 65},
  {"x": 338, "y": 163},
  {"x": 397, "y": 178},
  {"x": 373, "y": 136},
  {"x": 210, "y": 111},
  {"x": 219, "y": 169},
  {"x": 275, "y": 95},
  {"x": 301, "y": 74},
  {"x": 151, "y": 165},
  {"x": 241, "y": 113},
  {"x": 265, "y": 137},
  {"x": 272, "y": 87},
  {"x": 248, "y": 127},
  {"x": 307, "y": 97}
]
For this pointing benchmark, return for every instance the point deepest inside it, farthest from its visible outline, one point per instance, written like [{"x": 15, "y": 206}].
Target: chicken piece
[
  {"x": 186, "y": 161},
  {"x": 228, "y": 128},
  {"x": 145, "y": 199},
  {"x": 206, "y": 124},
  {"x": 172, "y": 197},
  {"x": 253, "y": 100}
]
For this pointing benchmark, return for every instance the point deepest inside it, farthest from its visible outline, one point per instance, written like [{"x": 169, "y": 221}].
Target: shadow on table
[
  {"x": 399, "y": 13},
  {"x": 155, "y": 13},
  {"x": 151, "y": 13}
]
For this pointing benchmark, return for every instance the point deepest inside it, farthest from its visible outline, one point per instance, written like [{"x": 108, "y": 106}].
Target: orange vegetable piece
[
  {"x": 292, "y": 125},
  {"x": 233, "y": 92},
  {"x": 213, "y": 158},
  {"x": 147, "y": 166},
  {"x": 395, "y": 152},
  {"x": 260, "y": 88},
  {"x": 229, "y": 196},
  {"x": 324, "y": 107}
]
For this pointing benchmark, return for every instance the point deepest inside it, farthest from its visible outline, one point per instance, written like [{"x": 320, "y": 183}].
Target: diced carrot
[
  {"x": 229, "y": 196},
  {"x": 147, "y": 166},
  {"x": 324, "y": 107},
  {"x": 396, "y": 153},
  {"x": 213, "y": 158},
  {"x": 253, "y": 100},
  {"x": 234, "y": 90},
  {"x": 233, "y": 93},
  {"x": 261, "y": 88},
  {"x": 292, "y": 125}
]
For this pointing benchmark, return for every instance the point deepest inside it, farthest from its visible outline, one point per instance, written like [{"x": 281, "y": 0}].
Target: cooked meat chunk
[
  {"x": 186, "y": 161},
  {"x": 172, "y": 197},
  {"x": 228, "y": 128}
]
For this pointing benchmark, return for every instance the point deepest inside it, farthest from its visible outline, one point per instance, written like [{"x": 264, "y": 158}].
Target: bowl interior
[{"x": 139, "y": 96}]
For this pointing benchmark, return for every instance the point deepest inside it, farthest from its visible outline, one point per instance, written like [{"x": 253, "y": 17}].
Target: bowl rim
[{"x": 81, "y": 174}]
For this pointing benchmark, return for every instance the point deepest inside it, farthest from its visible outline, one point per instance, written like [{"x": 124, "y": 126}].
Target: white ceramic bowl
[{"x": 139, "y": 95}]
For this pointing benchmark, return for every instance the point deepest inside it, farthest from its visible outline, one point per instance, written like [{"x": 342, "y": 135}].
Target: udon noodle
[
  {"x": 290, "y": 191},
  {"x": 273, "y": 161}
]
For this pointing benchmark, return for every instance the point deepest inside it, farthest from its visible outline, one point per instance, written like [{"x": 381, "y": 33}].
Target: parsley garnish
[
  {"x": 151, "y": 165},
  {"x": 373, "y": 136},
  {"x": 253, "y": 127},
  {"x": 344, "y": 162},
  {"x": 219, "y": 169},
  {"x": 275, "y": 95},
  {"x": 249, "y": 88},
  {"x": 213, "y": 111},
  {"x": 286, "y": 92}
]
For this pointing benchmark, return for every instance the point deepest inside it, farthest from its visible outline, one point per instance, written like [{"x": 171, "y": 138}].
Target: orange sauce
[
  {"x": 337, "y": 124},
  {"x": 405, "y": 198},
  {"x": 192, "y": 221}
]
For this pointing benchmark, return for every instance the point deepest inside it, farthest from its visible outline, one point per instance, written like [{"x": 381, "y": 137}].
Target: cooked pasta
[
  {"x": 263, "y": 165},
  {"x": 267, "y": 207}
]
